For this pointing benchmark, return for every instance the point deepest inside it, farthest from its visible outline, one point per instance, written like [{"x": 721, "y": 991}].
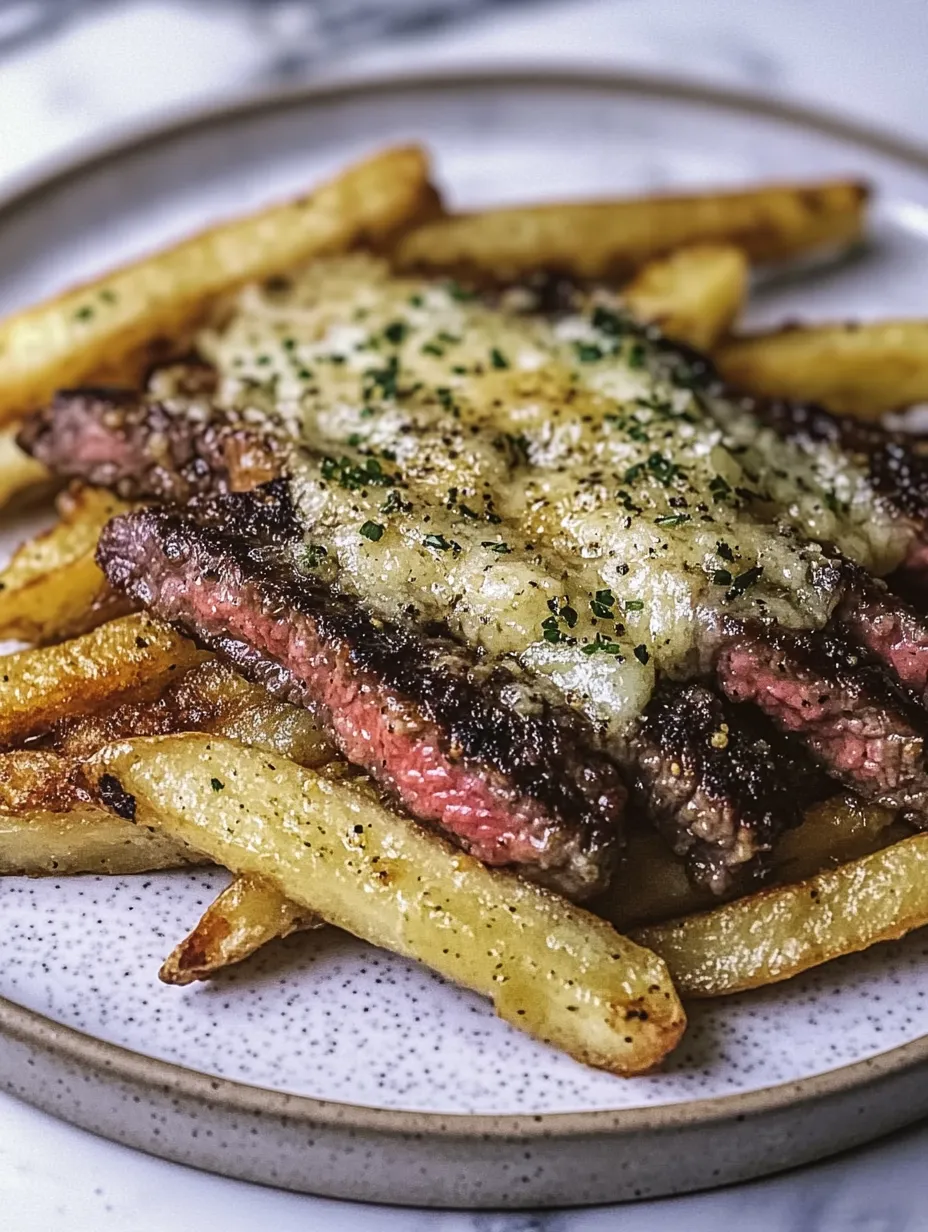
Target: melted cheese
[{"x": 553, "y": 493}]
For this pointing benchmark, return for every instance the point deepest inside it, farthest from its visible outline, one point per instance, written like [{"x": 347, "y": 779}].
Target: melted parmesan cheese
[{"x": 554, "y": 493}]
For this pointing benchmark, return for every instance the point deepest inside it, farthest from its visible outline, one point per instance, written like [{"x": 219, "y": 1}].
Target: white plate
[{"x": 816, "y": 1064}]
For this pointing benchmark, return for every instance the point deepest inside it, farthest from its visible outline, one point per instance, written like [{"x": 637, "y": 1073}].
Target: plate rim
[{"x": 90, "y": 1052}]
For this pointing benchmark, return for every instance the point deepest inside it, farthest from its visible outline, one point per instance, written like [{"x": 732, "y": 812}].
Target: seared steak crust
[
  {"x": 515, "y": 778},
  {"x": 844, "y": 708},
  {"x": 719, "y": 782}
]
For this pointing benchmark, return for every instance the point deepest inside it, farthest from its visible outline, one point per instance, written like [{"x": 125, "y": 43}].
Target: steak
[
  {"x": 719, "y": 782},
  {"x": 139, "y": 448},
  {"x": 851, "y": 717},
  {"x": 528, "y": 513},
  {"x": 515, "y": 778}
]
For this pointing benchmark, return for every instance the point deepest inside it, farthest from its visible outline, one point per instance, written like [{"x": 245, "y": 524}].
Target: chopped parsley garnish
[
  {"x": 608, "y": 322},
  {"x": 395, "y": 504},
  {"x": 382, "y": 381},
  {"x": 633, "y": 605},
  {"x": 719, "y": 487},
  {"x": 351, "y": 476},
  {"x": 437, "y": 541},
  {"x": 724, "y": 551},
  {"x": 602, "y": 645},
  {"x": 671, "y": 519},
  {"x": 456, "y": 291},
  {"x": 588, "y": 352},
  {"x": 503, "y": 549},
  {"x": 216, "y": 784},
  {"x": 372, "y": 531},
  {"x": 84, "y": 314},
  {"x": 416, "y": 301},
  {"x": 602, "y": 604},
  {"x": 744, "y": 581},
  {"x": 662, "y": 468},
  {"x": 314, "y": 555},
  {"x": 432, "y": 348},
  {"x": 395, "y": 332},
  {"x": 551, "y": 632},
  {"x": 498, "y": 359},
  {"x": 641, "y": 654},
  {"x": 721, "y": 577},
  {"x": 636, "y": 356},
  {"x": 637, "y": 433}
]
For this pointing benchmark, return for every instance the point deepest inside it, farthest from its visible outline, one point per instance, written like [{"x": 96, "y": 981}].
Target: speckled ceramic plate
[{"x": 325, "y": 1065}]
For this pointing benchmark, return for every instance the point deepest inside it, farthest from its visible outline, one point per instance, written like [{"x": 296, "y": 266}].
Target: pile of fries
[{"x": 126, "y": 749}]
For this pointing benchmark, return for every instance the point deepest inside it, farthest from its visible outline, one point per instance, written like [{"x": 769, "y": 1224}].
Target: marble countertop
[{"x": 134, "y": 59}]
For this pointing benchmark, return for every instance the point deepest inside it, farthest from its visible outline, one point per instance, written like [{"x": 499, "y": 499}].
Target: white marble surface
[{"x": 863, "y": 59}]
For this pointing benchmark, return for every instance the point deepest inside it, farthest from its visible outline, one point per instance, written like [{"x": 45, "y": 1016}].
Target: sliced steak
[
  {"x": 719, "y": 782},
  {"x": 143, "y": 448},
  {"x": 887, "y": 627},
  {"x": 515, "y": 778},
  {"x": 845, "y": 709}
]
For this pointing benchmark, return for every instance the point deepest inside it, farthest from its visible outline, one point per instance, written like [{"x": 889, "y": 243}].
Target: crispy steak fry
[
  {"x": 249, "y": 913},
  {"x": 612, "y": 239}
]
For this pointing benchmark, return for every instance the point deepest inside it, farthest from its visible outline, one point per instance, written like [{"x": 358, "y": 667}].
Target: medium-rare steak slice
[
  {"x": 893, "y": 632},
  {"x": 513, "y": 776},
  {"x": 845, "y": 709},
  {"x": 719, "y": 781}
]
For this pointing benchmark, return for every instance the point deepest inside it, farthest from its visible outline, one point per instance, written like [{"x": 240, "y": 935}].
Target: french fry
[
  {"x": 131, "y": 656},
  {"x": 612, "y": 239},
  {"x": 551, "y": 968},
  {"x": 249, "y": 913},
  {"x": 863, "y": 370},
  {"x": 53, "y": 588},
  {"x": 103, "y": 328},
  {"x": 86, "y": 839},
  {"x": 651, "y": 885},
  {"x": 48, "y": 823},
  {"x": 19, "y": 474},
  {"x": 778, "y": 933},
  {"x": 694, "y": 294}
]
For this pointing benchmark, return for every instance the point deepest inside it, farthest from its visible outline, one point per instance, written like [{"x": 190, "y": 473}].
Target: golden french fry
[
  {"x": 551, "y": 968},
  {"x": 694, "y": 294},
  {"x": 249, "y": 913},
  {"x": 19, "y": 474},
  {"x": 612, "y": 239},
  {"x": 135, "y": 655},
  {"x": 86, "y": 839},
  {"x": 53, "y": 587},
  {"x": 861, "y": 369},
  {"x": 102, "y": 329},
  {"x": 49, "y": 825},
  {"x": 780, "y": 932},
  {"x": 651, "y": 885}
]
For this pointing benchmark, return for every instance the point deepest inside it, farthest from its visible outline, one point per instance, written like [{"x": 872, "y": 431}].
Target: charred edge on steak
[
  {"x": 719, "y": 782},
  {"x": 139, "y": 448},
  {"x": 515, "y": 778},
  {"x": 845, "y": 709}
]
